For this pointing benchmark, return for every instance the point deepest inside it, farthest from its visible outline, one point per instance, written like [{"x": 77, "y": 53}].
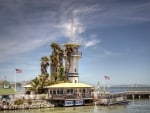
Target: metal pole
[{"x": 15, "y": 79}]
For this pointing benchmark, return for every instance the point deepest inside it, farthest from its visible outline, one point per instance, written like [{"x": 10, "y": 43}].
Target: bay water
[{"x": 135, "y": 106}]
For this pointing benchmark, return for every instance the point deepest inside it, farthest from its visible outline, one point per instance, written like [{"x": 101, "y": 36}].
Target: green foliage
[
  {"x": 39, "y": 83},
  {"x": 57, "y": 68}
]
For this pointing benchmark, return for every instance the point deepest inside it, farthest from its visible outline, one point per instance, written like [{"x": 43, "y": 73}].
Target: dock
[{"x": 138, "y": 94}]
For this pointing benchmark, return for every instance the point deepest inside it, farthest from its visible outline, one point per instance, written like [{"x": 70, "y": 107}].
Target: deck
[{"x": 138, "y": 94}]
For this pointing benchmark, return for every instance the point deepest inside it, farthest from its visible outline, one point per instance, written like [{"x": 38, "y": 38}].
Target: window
[
  {"x": 54, "y": 92},
  {"x": 51, "y": 92},
  {"x": 75, "y": 70}
]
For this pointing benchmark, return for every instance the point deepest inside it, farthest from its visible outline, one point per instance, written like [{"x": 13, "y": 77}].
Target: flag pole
[
  {"x": 104, "y": 85},
  {"x": 15, "y": 79}
]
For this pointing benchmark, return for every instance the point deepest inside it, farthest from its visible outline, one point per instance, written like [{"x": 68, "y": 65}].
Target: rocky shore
[{"x": 35, "y": 105}]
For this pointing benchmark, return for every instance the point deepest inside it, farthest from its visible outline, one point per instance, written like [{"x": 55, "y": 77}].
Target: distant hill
[{"x": 131, "y": 85}]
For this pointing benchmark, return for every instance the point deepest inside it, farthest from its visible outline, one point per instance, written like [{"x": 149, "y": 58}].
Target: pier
[{"x": 138, "y": 94}]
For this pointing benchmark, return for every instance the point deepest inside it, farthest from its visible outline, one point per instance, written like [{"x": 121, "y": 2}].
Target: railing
[
  {"x": 76, "y": 53},
  {"x": 70, "y": 96},
  {"x": 138, "y": 92}
]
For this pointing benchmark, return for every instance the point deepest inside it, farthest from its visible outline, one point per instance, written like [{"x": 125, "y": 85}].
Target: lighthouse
[{"x": 72, "y": 56}]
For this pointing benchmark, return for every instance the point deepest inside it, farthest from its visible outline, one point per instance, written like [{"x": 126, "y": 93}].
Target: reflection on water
[{"x": 138, "y": 106}]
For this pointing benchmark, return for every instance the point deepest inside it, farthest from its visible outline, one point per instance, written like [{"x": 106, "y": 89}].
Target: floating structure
[
  {"x": 111, "y": 98},
  {"x": 70, "y": 94}
]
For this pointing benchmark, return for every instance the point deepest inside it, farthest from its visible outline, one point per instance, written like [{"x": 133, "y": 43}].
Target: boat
[
  {"x": 68, "y": 103},
  {"x": 112, "y": 98}
]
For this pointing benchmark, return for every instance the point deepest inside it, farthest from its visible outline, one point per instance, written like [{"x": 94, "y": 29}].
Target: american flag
[
  {"x": 18, "y": 70},
  {"x": 107, "y": 77}
]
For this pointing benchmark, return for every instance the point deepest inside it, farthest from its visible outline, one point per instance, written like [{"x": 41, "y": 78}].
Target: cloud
[
  {"x": 44, "y": 24},
  {"x": 91, "y": 43},
  {"x": 117, "y": 14},
  {"x": 71, "y": 30},
  {"x": 86, "y": 10}
]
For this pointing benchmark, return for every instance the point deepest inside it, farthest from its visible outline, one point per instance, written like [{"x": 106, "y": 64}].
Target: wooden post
[
  {"x": 139, "y": 96},
  {"x": 133, "y": 96}
]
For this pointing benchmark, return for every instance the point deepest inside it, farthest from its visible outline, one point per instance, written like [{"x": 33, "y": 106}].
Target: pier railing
[{"x": 138, "y": 92}]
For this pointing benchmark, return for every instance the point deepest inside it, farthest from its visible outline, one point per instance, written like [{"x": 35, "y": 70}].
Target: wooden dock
[{"x": 138, "y": 94}]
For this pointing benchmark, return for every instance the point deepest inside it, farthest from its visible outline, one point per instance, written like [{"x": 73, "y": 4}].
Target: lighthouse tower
[{"x": 72, "y": 57}]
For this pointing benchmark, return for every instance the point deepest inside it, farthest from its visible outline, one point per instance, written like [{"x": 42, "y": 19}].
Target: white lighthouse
[{"x": 71, "y": 62}]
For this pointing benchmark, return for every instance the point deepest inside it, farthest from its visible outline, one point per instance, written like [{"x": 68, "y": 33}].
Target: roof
[
  {"x": 6, "y": 91},
  {"x": 70, "y": 85}
]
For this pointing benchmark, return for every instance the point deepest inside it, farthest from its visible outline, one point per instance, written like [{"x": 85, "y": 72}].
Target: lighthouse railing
[{"x": 78, "y": 53}]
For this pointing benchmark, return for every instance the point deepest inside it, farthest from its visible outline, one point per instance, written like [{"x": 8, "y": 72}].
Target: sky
[{"x": 114, "y": 37}]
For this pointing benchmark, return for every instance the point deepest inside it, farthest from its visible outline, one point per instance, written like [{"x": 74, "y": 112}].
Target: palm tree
[
  {"x": 43, "y": 78},
  {"x": 56, "y": 61},
  {"x": 44, "y": 64},
  {"x": 39, "y": 83},
  {"x": 35, "y": 83}
]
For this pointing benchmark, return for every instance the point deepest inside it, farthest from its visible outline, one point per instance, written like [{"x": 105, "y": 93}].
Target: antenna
[{"x": 72, "y": 26}]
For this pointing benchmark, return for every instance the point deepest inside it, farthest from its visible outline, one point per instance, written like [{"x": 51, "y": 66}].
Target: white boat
[
  {"x": 68, "y": 103},
  {"x": 79, "y": 102},
  {"x": 111, "y": 98}
]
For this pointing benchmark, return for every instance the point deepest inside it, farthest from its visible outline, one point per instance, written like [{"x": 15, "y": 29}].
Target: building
[
  {"x": 6, "y": 91},
  {"x": 70, "y": 94},
  {"x": 72, "y": 57},
  {"x": 73, "y": 93}
]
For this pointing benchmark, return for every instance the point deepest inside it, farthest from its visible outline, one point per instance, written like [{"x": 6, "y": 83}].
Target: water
[{"x": 136, "y": 106}]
